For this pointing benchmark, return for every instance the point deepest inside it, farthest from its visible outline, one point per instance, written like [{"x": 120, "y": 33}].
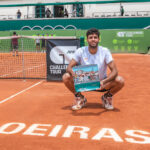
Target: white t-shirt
[
  {"x": 102, "y": 57},
  {"x": 38, "y": 40}
]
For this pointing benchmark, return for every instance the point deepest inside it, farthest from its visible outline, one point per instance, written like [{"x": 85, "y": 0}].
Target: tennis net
[{"x": 29, "y": 62}]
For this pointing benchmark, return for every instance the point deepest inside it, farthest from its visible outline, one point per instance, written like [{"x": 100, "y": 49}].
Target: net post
[{"x": 23, "y": 68}]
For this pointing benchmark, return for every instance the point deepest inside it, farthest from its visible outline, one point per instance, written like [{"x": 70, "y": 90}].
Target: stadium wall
[
  {"x": 80, "y": 23},
  {"x": 118, "y": 41}
]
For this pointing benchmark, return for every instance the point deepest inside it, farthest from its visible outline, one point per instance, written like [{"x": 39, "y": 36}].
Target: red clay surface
[{"x": 40, "y": 118}]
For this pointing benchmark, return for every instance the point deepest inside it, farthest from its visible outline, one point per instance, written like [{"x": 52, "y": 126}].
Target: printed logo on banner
[
  {"x": 130, "y": 34},
  {"x": 62, "y": 54},
  {"x": 59, "y": 53}
]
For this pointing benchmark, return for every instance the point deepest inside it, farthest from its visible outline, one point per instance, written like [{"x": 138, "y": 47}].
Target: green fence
[{"x": 118, "y": 41}]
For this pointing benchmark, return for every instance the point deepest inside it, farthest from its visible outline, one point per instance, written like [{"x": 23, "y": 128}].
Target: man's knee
[
  {"x": 66, "y": 77},
  {"x": 120, "y": 81}
]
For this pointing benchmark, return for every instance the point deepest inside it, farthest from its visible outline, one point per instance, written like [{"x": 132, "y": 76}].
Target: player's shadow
[{"x": 90, "y": 106}]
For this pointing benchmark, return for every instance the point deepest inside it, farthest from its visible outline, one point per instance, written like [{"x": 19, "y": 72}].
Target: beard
[{"x": 93, "y": 46}]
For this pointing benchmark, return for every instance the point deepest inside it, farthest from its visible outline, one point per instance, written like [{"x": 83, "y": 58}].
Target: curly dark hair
[{"x": 92, "y": 31}]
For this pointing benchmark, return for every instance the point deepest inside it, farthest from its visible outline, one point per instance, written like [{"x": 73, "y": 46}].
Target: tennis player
[
  {"x": 94, "y": 54},
  {"x": 37, "y": 42},
  {"x": 15, "y": 43}
]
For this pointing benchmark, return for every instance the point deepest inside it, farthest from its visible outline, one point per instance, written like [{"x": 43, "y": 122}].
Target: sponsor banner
[
  {"x": 59, "y": 53},
  {"x": 126, "y": 41}
]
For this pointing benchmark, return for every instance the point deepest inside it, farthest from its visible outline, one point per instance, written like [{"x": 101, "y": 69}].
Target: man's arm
[
  {"x": 71, "y": 64},
  {"x": 112, "y": 75}
]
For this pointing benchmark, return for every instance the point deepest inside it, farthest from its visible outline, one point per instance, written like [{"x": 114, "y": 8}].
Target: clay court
[{"x": 36, "y": 114}]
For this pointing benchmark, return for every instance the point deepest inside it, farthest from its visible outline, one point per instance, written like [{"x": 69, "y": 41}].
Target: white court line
[
  {"x": 12, "y": 96},
  {"x": 22, "y": 70}
]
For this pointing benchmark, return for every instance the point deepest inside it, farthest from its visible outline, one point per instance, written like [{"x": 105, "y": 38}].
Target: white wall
[
  {"x": 128, "y": 7},
  {"x": 89, "y": 10},
  {"x": 137, "y": 6},
  {"x": 10, "y": 12}
]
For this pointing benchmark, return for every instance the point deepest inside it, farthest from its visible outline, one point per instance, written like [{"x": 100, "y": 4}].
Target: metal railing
[
  {"x": 4, "y": 17},
  {"x": 117, "y": 14},
  {"x": 94, "y": 15},
  {"x": 33, "y": 16}
]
